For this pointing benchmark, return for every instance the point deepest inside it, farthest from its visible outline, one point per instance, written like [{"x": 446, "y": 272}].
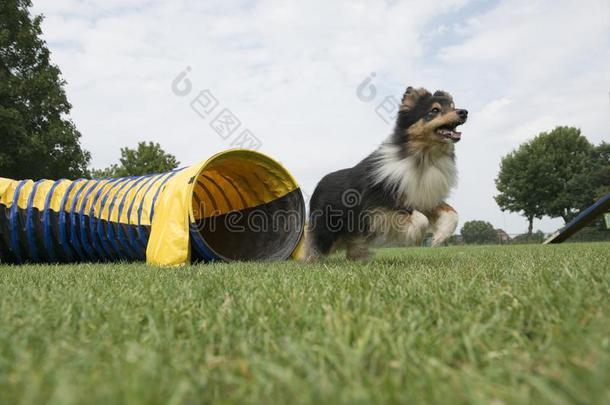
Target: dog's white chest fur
[{"x": 423, "y": 181}]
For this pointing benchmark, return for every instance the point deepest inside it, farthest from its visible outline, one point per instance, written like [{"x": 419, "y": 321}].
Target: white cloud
[{"x": 289, "y": 71}]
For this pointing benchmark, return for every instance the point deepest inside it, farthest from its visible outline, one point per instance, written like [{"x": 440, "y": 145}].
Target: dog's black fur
[{"x": 341, "y": 199}]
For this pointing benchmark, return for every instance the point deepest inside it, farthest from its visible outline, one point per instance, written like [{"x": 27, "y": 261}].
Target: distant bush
[
  {"x": 454, "y": 240},
  {"x": 479, "y": 232},
  {"x": 536, "y": 237}
]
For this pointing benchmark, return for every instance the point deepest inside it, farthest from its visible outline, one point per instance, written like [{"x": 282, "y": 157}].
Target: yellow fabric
[
  {"x": 41, "y": 194},
  {"x": 117, "y": 197},
  {"x": 82, "y": 201},
  {"x": 239, "y": 179},
  {"x": 4, "y": 184},
  {"x": 130, "y": 194},
  {"x": 169, "y": 242},
  {"x": 87, "y": 196},
  {"x": 144, "y": 201},
  {"x": 58, "y": 195},
  {"x": 72, "y": 196},
  {"x": 100, "y": 187},
  {"x": 247, "y": 178},
  {"x": 24, "y": 194},
  {"x": 135, "y": 198},
  {"x": 108, "y": 196},
  {"x": 8, "y": 193}
]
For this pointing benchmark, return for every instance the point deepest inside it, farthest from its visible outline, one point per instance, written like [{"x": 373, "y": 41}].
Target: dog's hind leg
[
  {"x": 309, "y": 252},
  {"x": 316, "y": 246},
  {"x": 444, "y": 220},
  {"x": 357, "y": 249}
]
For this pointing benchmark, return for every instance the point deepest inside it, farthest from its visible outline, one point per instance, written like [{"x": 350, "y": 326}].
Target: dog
[{"x": 396, "y": 194}]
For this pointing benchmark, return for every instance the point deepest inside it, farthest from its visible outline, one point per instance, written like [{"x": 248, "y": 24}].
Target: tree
[
  {"x": 600, "y": 174},
  {"x": 541, "y": 176},
  {"x": 478, "y": 232},
  {"x": 519, "y": 183},
  {"x": 568, "y": 155},
  {"x": 593, "y": 182},
  {"x": 146, "y": 158},
  {"x": 37, "y": 139}
]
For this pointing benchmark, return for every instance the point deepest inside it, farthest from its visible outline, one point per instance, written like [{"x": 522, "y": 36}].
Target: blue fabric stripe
[
  {"x": 130, "y": 235},
  {"x": 46, "y": 225},
  {"x": 74, "y": 240},
  {"x": 83, "y": 221},
  {"x": 29, "y": 225},
  {"x": 63, "y": 238},
  {"x": 119, "y": 248},
  {"x": 109, "y": 247},
  {"x": 13, "y": 225},
  {"x": 97, "y": 244},
  {"x": 201, "y": 246},
  {"x": 82, "y": 234},
  {"x": 121, "y": 238}
]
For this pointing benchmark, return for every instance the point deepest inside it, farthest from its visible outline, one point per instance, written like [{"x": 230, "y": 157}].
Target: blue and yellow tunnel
[{"x": 237, "y": 205}]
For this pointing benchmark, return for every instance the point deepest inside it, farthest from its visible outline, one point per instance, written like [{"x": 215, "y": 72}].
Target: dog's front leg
[
  {"x": 444, "y": 220},
  {"x": 417, "y": 226}
]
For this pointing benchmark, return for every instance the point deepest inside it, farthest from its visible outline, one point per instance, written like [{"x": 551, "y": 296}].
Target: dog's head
[{"x": 429, "y": 118}]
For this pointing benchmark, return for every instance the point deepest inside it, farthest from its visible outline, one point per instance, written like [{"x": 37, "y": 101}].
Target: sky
[{"x": 310, "y": 82}]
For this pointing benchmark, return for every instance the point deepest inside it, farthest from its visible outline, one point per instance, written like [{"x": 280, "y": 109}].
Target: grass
[{"x": 512, "y": 324}]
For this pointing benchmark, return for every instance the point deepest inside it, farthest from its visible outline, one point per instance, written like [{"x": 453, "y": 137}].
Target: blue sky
[{"x": 289, "y": 71}]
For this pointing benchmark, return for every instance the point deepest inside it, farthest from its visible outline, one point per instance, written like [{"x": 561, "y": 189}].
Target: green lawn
[{"x": 462, "y": 324}]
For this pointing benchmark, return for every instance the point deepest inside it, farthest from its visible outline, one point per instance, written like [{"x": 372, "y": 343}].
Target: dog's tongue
[{"x": 451, "y": 134}]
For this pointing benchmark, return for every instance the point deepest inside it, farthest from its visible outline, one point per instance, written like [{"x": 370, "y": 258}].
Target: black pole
[{"x": 583, "y": 219}]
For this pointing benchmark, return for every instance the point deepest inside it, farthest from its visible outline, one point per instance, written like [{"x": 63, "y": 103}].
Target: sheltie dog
[{"x": 396, "y": 194}]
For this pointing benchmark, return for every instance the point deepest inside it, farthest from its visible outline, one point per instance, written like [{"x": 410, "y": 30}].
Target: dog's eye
[{"x": 434, "y": 111}]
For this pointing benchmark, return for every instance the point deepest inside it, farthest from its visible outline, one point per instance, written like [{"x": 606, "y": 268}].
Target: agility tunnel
[{"x": 236, "y": 205}]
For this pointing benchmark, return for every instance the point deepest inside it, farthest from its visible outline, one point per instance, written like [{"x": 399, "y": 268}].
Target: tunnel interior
[{"x": 245, "y": 206}]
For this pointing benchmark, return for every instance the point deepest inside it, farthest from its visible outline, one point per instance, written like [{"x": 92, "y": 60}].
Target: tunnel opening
[{"x": 245, "y": 206}]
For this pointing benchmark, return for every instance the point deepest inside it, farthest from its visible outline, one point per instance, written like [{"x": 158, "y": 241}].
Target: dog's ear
[
  {"x": 411, "y": 97},
  {"x": 443, "y": 94}
]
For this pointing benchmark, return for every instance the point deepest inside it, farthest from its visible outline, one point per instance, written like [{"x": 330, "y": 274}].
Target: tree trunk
[
  {"x": 566, "y": 216},
  {"x": 531, "y": 226}
]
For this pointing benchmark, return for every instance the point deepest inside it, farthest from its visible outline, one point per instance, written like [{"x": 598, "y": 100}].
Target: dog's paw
[
  {"x": 444, "y": 226},
  {"x": 437, "y": 241},
  {"x": 358, "y": 251}
]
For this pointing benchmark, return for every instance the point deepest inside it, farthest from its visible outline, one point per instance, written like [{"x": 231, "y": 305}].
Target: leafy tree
[
  {"x": 36, "y": 136},
  {"x": 600, "y": 174},
  {"x": 520, "y": 185},
  {"x": 568, "y": 155},
  {"x": 593, "y": 182},
  {"x": 478, "y": 232},
  {"x": 542, "y": 176},
  {"x": 146, "y": 158}
]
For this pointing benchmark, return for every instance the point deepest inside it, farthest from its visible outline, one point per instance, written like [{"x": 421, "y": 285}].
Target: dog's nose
[{"x": 463, "y": 114}]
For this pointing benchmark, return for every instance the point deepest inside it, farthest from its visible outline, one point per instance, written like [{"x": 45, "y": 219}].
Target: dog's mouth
[{"x": 448, "y": 131}]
